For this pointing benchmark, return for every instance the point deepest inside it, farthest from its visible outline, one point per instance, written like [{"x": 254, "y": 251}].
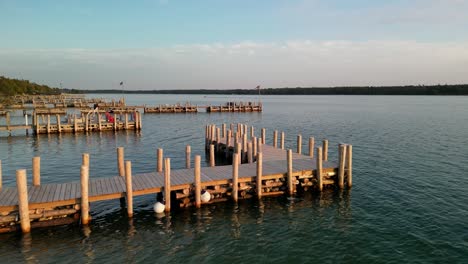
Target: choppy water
[{"x": 409, "y": 202}]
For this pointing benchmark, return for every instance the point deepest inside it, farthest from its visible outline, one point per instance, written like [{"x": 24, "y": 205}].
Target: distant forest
[
  {"x": 455, "y": 89},
  {"x": 14, "y": 86}
]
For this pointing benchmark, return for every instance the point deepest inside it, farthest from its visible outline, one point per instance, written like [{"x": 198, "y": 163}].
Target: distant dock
[{"x": 257, "y": 170}]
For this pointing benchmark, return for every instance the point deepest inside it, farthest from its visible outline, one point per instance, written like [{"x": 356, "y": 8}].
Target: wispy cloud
[{"x": 245, "y": 64}]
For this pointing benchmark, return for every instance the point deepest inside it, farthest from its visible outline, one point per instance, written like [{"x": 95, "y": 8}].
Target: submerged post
[
  {"x": 319, "y": 168},
  {"x": 159, "y": 165},
  {"x": 128, "y": 188},
  {"x": 23, "y": 206},
  {"x": 84, "y": 195},
  {"x": 259, "y": 174},
  {"x": 350, "y": 165},
  {"x": 36, "y": 171},
  {"x": 290, "y": 172},
  {"x": 197, "y": 173},
  {"x": 235, "y": 176},
  {"x": 167, "y": 183},
  {"x": 120, "y": 161},
  {"x": 187, "y": 156}
]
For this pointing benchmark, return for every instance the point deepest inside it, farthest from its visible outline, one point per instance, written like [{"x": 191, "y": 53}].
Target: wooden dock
[
  {"x": 189, "y": 108},
  {"x": 271, "y": 171}
]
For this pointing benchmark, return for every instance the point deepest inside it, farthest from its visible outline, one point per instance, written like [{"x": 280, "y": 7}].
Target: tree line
[{"x": 9, "y": 87}]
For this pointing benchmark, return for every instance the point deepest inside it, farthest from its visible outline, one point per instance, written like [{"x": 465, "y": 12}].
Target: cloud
[{"x": 244, "y": 65}]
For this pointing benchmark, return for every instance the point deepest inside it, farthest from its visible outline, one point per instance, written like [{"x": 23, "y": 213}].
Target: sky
[{"x": 235, "y": 44}]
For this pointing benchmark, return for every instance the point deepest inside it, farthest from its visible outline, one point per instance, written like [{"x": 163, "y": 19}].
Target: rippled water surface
[{"x": 409, "y": 202}]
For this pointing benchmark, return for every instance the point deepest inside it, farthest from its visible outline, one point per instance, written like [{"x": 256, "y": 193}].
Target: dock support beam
[
  {"x": 21, "y": 183},
  {"x": 350, "y": 165},
  {"x": 187, "y": 156},
  {"x": 212, "y": 156},
  {"x": 341, "y": 169},
  {"x": 259, "y": 174},
  {"x": 84, "y": 195},
  {"x": 325, "y": 150},
  {"x": 235, "y": 176},
  {"x": 85, "y": 158},
  {"x": 299, "y": 144},
  {"x": 282, "y": 140},
  {"x": 167, "y": 183},
  {"x": 290, "y": 172},
  {"x": 319, "y": 169},
  {"x": 197, "y": 173},
  {"x": 120, "y": 161},
  {"x": 128, "y": 188},
  {"x": 36, "y": 171},
  {"x": 159, "y": 165},
  {"x": 311, "y": 146},
  {"x": 275, "y": 139},
  {"x": 263, "y": 135}
]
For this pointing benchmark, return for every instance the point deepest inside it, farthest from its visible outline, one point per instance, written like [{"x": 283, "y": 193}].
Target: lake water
[{"x": 409, "y": 202}]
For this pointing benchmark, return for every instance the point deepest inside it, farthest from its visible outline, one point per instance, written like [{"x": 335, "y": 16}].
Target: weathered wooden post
[
  {"x": 239, "y": 152},
  {"x": 254, "y": 143},
  {"x": 126, "y": 121},
  {"x": 259, "y": 145},
  {"x": 311, "y": 147},
  {"x": 249, "y": 152},
  {"x": 84, "y": 195},
  {"x": 128, "y": 188},
  {"x": 263, "y": 135},
  {"x": 325, "y": 150},
  {"x": 224, "y": 130},
  {"x": 275, "y": 139},
  {"x": 282, "y": 140},
  {"x": 99, "y": 121},
  {"x": 350, "y": 165},
  {"x": 48, "y": 124},
  {"x": 120, "y": 161},
  {"x": 228, "y": 140},
  {"x": 85, "y": 159},
  {"x": 259, "y": 174},
  {"x": 319, "y": 169},
  {"x": 167, "y": 183},
  {"x": 235, "y": 176},
  {"x": 252, "y": 132},
  {"x": 23, "y": 206},
  {"x": 212, "y": 156},
  {"x": 159, "y": 165},
  {"x": 59, "y": 125},
  {"x": 7, "y": 119},
  {"x": 197, "y": 173},
  {"x": 187, "y": 156},
  {"x": 299, "y": 144},
  {"x": 36, "y": 171},
  {"x": 342, "y": 163},
  {"x": 290, "y": 172},
  {"x": 244, "y": 147}
]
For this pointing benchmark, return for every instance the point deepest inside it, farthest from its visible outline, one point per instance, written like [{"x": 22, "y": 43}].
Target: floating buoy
[
  {"x": 159, "y": 207},
  {"x": 205, "y": 197}
]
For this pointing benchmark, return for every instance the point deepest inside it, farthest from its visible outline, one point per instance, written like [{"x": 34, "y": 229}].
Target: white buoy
[
  {"x": 205, "y": 197},
  {"x": 159, "y": 207}
]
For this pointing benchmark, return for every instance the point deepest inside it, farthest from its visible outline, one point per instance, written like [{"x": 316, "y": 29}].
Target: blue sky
[{"x": 168, "y": 44}]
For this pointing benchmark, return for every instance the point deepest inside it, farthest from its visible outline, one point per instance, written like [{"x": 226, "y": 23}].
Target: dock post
[
  {"x": 99, "y": 121},
  {"x": 23, "y": 206},
  {"x": 350, "y": 165},
  {"x": 159, "y": 165},
  {"x": 239, "y": 152},
  {"x": 342, "y": 163},
  {"x": 48, "y": 124},
  {"x": 254, "y": 145},
  {"x": 75, "y": 124},
  {"x": 259, "y": 174},
  {"x": 197, "y": 173},
  {"x": 218, "y": 138},
  {"x": 319, "y": 169},
  {"x": 263, "y": 135},
  {"x": 235, "y": 176},
  {"x": 126, "y": 120},
  {"x": 7, "y": 119},
  {"x": 167, "y": 183},
  {"x": 249, "y": 152},
  {"x": 59, "y": 126},
  {"x": 128, "y": 188},
  {"x": 36, "y": 171},
  {"x": 299, "y": 144},
  {"x": 228, "y": 139},
  {"x": 84, "y": 195},
  {"x": 275, "y": 139},
  {"x": 1, "y": 176},
  {"x": 224, "y": 131},
  {"x": 244, "y": 147},
  {"x": 259, "y": 145},
  {"x": 85, "y": 159},
  {"x": 206, "y": 137},
  {"x": 290, "y": 172},
  {"x": 252, "y": 132},
  {"x": 187, "y": 156},
  {"x": 212, "y": 156},
  {"x": 120, "y": 161},
  {"x": 311, "y": 146},
  {"x": 282, "y": 140},
  {"x": 325, "y": 150}
]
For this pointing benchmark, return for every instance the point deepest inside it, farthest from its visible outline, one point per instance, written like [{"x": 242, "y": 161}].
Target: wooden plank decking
[{"x": 51, "y": 195}]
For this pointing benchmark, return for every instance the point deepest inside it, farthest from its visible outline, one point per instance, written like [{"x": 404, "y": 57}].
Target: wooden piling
[
  {"x": 187, "y": 156},
  {"x": 249, "y": 152},
  {"x": 319, "y": 169},
  {"x": 263, "y": 135},
  {"x": 349, "y": 156},
  {"x": 341, "y": 168},
  {"x": 311, "y": 146},
  {"x": 167, "y": 183},
  {"x": 84, "y": 195},
  {"x": 85, "y": 159},
  {"x": 212, "y": 156},
  {"x": 235, "y": 176},
  {"x": 239, "y": 152},
  {"x": 23, "y": 205},
  {"x": 197, "y": 173},
  {"x": 252, "y": 132},
  {"x": 275, "y": 138},
  {"x": 290, "y": 172},
  {"x": 325, "y": 150},
  {"x": 259, "y": 145},
  {"x": 75, "y": 124},
  {"x": 1, "y": 175},
  {"x": 99, "y": 121},
  {"x": 159, "y": 165},
  {"x": 299, "y": 144},
  {"x": 126, "y": 120},
  {"x": 224, "y": 130},
  {"x": 59, "y": 126},
  {"x": 254, "y": 143},
  {"x": 48, "y": 124},
  {"x": 36, "y": 171},
  {"x": 228, "y": 140},
  {"x": 282, "y": 140},
  {"x": 120, "y": 161},
  {"x": 259, "y": 174},
  {"x": 128, "y": 188},
  {"x": 244, "y": 145}
]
